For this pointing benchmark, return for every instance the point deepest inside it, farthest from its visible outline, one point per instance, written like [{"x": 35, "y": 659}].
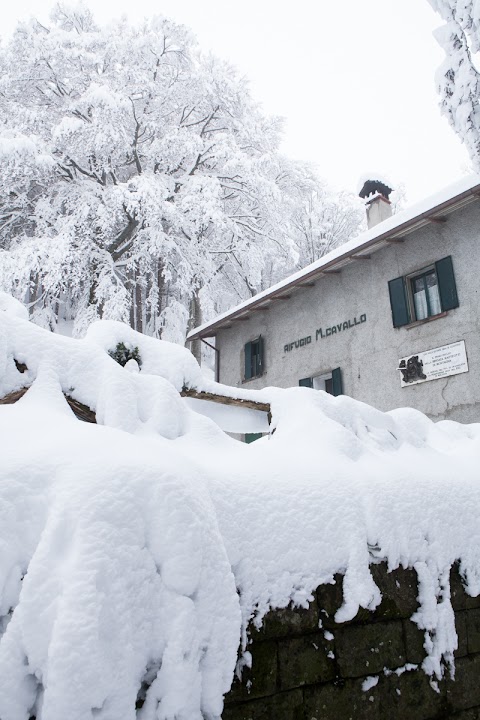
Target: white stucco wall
[{"x": 368, "y": 353}]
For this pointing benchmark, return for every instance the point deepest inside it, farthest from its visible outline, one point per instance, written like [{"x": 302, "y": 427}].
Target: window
[
  {"x": 424, "y": 294},
  {"x": 254, "y": 358},
  {"x": 329, "y": 382},
  {"x": 251, "y": 437}
]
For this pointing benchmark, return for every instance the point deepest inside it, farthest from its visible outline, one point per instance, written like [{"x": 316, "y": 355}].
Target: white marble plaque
[{"x": 433, "y": 364}]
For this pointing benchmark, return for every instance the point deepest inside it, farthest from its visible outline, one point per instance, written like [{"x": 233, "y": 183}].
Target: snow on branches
[
  {"x": 458, "y": 79},
  {"x": 139, "y": 180}
]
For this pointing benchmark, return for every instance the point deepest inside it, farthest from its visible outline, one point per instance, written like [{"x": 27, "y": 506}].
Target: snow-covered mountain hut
[{"x": 389, "y": 318}]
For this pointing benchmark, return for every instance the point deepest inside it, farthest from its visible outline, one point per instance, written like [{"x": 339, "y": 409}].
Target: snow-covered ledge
[{"x": 135, "y": 553}]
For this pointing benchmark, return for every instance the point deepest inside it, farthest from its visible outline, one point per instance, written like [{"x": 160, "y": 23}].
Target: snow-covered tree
[
  {"x": 458, "y": 78},
  {"x": 312, "y": 220},
  {"x": 139, "y": 180},
  {"x": 322, "y": 220}
]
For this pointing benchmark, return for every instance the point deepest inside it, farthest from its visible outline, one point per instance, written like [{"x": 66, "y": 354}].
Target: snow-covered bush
[{"x": 123, "y": 354}]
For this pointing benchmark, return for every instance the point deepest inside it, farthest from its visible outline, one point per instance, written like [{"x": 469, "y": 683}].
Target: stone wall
[{"x": 307, "y": 667}]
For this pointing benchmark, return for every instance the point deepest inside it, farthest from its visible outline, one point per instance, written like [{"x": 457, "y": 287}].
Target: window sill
[
  {"x": 416, "y": 323},
  {"x": 252, "y": 378}
]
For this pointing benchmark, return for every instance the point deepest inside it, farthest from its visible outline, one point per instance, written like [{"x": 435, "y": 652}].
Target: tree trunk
[
  {"x": 160, "y": 298},
  {"x": 34, "y": 291},
  {"x": 138, "y": 303},
  {"x": 148, "y": 305},
  {"x": 130, "y": 284},
  {"x": 92, "y": 297},
  {"x": 195, "y": 319}
]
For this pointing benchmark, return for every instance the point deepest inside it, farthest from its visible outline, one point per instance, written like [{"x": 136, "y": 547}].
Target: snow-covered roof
[{"x": 430, "y": 209}]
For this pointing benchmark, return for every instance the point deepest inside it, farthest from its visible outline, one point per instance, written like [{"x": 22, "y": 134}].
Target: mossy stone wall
[{"x": 308, "y": 667}]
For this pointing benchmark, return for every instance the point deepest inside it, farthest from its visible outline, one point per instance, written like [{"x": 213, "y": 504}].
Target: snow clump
[{"x": 135, "y": 552}]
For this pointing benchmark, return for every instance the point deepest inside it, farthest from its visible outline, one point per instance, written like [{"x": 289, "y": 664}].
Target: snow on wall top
[
  {"x": 388, "y": 226},
  {"x": 123, "y": 544},
  {"x": 12, "y": 306}
]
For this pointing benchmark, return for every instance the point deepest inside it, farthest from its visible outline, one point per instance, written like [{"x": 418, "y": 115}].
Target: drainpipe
[{"x": 217, "y": 359}]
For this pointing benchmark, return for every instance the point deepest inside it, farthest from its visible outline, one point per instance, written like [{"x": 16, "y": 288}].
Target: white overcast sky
[{"x": 354, "y": 80}]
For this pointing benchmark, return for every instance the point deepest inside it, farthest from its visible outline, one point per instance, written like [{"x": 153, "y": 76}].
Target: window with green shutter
[
  {"x": 337, "y": 386},
  {"x": 446, "y": 283},
  {"x": 424, "y": 294},
  {"x": 251, "y": 437},
  {"x": 398, "y": 302},
  {"x": 248, "y": 361},
  {"x": 254, "y": 358},
  {"x": 330, "y": 382},
  {"x": 306, "y": 382}
]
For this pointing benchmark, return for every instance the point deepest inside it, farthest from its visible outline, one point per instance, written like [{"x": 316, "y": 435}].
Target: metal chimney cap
[{"x": 375, "y": 187}]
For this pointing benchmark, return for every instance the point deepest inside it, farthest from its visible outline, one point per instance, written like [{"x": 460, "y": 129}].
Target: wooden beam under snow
[
  {"x": 82, "y": 412},
  {"x": 225, "y": 400}
]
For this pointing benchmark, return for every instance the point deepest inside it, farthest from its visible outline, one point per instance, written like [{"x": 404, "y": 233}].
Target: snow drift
[{"x": 134, "y": 552}]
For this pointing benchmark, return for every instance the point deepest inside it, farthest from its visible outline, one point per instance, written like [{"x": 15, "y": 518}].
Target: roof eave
[{"x": 409, "y": 226}]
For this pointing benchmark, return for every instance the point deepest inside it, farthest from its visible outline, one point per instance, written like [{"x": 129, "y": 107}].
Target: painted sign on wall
[
  {"x": 433, "y": 364},
  {"x": 346, "y": 325},
  {"x": 325, "y": 332}
]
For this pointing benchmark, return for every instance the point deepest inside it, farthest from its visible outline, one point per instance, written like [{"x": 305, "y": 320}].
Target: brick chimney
[{"x": 378, "y": 206}]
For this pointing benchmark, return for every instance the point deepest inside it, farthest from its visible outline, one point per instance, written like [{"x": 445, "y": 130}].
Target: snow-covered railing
[{"x": 82, "y": 412}]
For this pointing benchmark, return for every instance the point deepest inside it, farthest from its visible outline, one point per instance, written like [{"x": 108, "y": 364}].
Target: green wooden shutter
[
  {"x": 398, "y": 302},
  {"x": 446, "y": 283},
  {"x": 306, "y": 382},
  {"x": 337, "y": 382},
  {"x": 261, "y": 356},
  {"x": 248, "y": 361},
  {"x": 251, "y": 437}
]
